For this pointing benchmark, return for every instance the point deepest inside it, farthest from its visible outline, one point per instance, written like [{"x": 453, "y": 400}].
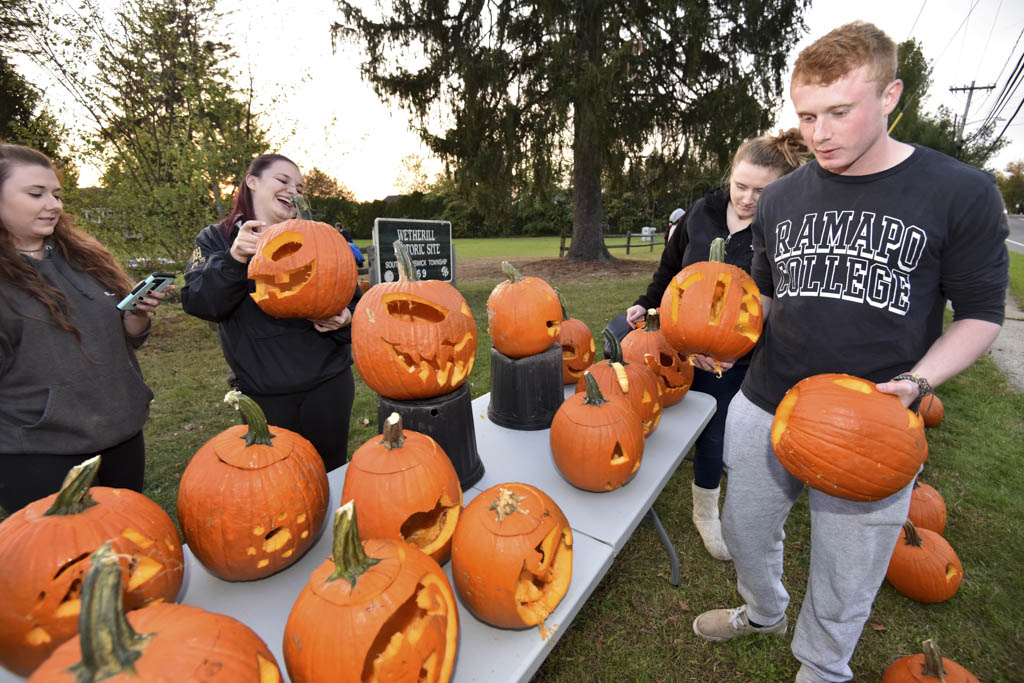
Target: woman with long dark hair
[
  {"x": 63, "y": 343},
  {"x": 298, "y": 371}
]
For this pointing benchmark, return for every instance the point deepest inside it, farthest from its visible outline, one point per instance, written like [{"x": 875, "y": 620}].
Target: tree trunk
[{"x": 588, "y": 141}]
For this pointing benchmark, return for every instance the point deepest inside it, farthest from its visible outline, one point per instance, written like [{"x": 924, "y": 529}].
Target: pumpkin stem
[
  {"x": 594, "y": 395},
  {"x": 302, "y": 209},
  {"x": 393, "y": 437},
  {"x": 73, "y": 496},
  {"x": 259, "y": 430},
  {"x": 652, "y": 321},
  {"x": 932, "y": 660},
  {"x": 717, "y": 251},
  {"x": 561, "y": 302},
  {"x": 406, "y": 269},
  {"x": 350, "y": 559},
  {"x": 507, "y": 503},
  {"x": 110, "y": 646},
  {"x": 913, "y": 538},
  {"x": 612, "y": 347},
  {"x": 510, "y": 272}
]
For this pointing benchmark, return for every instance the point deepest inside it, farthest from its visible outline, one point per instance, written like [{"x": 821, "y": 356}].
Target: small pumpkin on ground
[
  {"x": 647, "y": 345},
  {"x": 407, "y": 489},
  {"x": 712, "y": 308},
  {"x": 597, "y": 443},
  {"x": 251, "y": 501},
  {"x": 160, "y": 642},
  {"x": 376, "y": 610},
  {"x": 302, "y": 268},
  {"x": 512, "y": 556},
  {"x": 635, "y": 382},
  {"x": 45, "y": 549},
  {"x": 927, "y": 508},
  {"x": 577, "y": 342},
  {"x": 931, "y": 410},
  {"x": 923, "y": 566},
  {"x": 929, "y": 665},
  {"x": 413, "y": 339},
  {"x": 524, "y": 316},
  {"x": 839, "y": 434}
]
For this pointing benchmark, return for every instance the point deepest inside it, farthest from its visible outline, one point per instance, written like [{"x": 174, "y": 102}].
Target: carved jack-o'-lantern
[
  {"x": 251, "y": 501},
  {"x": 413, "y": 339},
  {"x": 712, "y": 308},
  {"x": 524, "y": 316},
  {"x": 512, "y": 556},
  {"x": 302, "y": 268},
  {"x": 377, "y": 610},
  {"x": 636, "y": 383},
  {"x": 577, "y": 342},
  {"x": 44, "y": 552},
  {"x": 648, "y": 345},
  {"x": 407, "y": 489}
]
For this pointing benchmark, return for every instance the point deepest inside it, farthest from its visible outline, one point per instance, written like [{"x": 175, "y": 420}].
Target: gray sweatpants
[{"x": 851, "y": 543}]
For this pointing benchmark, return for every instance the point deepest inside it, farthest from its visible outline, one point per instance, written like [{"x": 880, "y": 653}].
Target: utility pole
[{"x": 960, "y": 129}]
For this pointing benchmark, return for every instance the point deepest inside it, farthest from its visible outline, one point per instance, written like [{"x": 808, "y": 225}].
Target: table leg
[{"x": 652, "y": 516}]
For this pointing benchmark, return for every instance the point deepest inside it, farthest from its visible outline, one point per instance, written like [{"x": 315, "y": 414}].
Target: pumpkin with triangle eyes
[
  {"x": 647, "y": 345},
  {"x": 413, "y": 339},
  {"x": 577, "y": 342}
]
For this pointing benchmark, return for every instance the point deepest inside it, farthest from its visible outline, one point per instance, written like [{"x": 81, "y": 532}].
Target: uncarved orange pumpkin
[
  {"x": 712, "y": 308},
  {"x": 924, "y": 567},
  {"x": 407, "y": 489},
  {"x": 44, "y": 553},
  {"x": 159, "y": 642},
  {"x": 931, "y": 410},
  {"x": 636, "y": 383},
  {"x": 512, "y": 556},
  {"x": 927, "y": 508},
  {"x": 302, "y": 269},
  {"x": 376, "y": 610},
  {"x": 928, "y": 665},
  {"x": 523, "y": 314},
  {"x": 413, "y": 339},
  {"x": 839, "y": 434},
  {"x": 253, "y": 498},
  {"x": 647, "y": 345}
]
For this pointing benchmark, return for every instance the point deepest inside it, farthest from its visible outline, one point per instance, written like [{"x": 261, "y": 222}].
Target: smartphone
[{"x": 156, "y": 282}]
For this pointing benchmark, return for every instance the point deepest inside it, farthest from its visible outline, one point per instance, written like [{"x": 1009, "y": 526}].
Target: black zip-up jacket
[{"x": 268, "y": 355}]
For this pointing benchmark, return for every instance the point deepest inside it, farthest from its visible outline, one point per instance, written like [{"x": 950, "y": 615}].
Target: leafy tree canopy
[{"x": 1011, "y": 184}]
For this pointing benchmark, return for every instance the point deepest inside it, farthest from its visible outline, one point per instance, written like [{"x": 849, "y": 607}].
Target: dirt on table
[{"x": 553, "y": 269}]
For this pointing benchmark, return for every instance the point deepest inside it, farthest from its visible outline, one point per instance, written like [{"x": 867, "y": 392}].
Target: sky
[{"x": 321, "y": 114}]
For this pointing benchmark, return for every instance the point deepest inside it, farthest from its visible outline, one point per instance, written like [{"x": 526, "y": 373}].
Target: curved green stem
[
  {"x": 393, "y": 436},
  {"x": 932, "y": 660},
  {"x": 110, "y": 646},
  {"x": 717, "y": 251},
  {"x": 594, "y": 395},
  {"x": 406, "y": 269},
  {"x": 302, "y": 209},
  {"x": 350, "y": 559},
  {"x": 561, "y": 302},
  {"x": 612, "y": 347},
  {"x": 510, "y": 272},
  {"x": 652, "y": 321},
  {"x": 73, "y": 496},
  {"x": 259, "y": 430}
]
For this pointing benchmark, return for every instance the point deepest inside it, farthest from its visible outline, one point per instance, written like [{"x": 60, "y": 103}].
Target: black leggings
[
  {"x": 321, "y": 415},
  {"x": 25, "y": 478}
]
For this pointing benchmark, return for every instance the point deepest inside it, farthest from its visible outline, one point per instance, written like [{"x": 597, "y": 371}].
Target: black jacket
[{"x": 268, "y": 355}]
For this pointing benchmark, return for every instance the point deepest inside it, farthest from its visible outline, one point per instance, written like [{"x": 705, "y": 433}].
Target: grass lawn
[{"x": 636, "y": 626}]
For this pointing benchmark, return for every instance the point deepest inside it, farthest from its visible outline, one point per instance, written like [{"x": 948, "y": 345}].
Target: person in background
[
  {"x": 674, "y": 219},
  {"x": 63, "y": 343},
  {"x": 724, "y": 212},
  {"x": 855, "y": 254},
  {"x": 356, "y": 251},
  {"x": 298, "y": 371}
]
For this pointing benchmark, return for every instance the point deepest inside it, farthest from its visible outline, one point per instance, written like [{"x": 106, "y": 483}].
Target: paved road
[{"x": 1016, "y": 240}]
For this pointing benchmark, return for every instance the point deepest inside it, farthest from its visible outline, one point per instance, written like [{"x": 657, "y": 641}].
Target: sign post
[{"x": 429, "y": 244}]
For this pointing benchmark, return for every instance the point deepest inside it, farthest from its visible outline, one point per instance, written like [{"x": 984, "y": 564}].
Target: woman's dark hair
[
  {"x": 79, "y": 249},
  {"x": 784, "y": 152},
  {"x": 243, "y": 209}
]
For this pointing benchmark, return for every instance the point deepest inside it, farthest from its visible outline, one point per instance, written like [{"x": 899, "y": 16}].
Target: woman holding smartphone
[
  {"x": 298, "y": 371},
  {"x": 63, "y": 340}
]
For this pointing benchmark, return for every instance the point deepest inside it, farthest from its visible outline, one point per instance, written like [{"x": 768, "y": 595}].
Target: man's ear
[{"x": 891, "y": 96}]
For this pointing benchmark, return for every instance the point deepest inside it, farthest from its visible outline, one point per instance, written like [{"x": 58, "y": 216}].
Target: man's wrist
[{"x": 923, "y": 387}]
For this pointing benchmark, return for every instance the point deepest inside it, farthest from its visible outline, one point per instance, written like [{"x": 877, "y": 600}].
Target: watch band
[{"x": 924, "y": 388}]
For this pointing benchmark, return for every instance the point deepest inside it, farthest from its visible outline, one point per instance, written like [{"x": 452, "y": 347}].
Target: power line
[
  {"x": 1008, "y": 58},
  {"x": 914, "y": 25}
]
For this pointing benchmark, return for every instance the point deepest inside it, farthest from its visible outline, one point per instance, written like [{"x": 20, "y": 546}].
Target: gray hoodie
[{"x": 58, "y": 396}]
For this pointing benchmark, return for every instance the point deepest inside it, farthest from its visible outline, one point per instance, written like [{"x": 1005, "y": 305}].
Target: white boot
[{"x": 705, "y": 518}]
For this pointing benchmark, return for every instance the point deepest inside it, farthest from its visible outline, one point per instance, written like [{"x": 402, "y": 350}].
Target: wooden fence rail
[{"x": 563, "y": 245}]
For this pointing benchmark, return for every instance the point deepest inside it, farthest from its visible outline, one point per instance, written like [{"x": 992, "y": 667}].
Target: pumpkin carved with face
[
  {"x": 302, "y": 269},
  {"x": 413, "y": 339},
  {"x": 512, "y": 556},
  {"x": 647, "y": 345},
  {"x": 524, "y": 316},
  {"x": 376, "y": 610},
  {"x": 44, "y": 552},
  {"x": 638, "y": 384},
  {"x": 252, "y": 501},
  {"x": 577, "y": 342}
]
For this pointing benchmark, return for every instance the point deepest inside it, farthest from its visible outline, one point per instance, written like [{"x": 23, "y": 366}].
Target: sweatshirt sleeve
[
  {"x": 215, "y": 283},
  {"x": 760, "y": 268},
  {"x": 671, "y": 263}
]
